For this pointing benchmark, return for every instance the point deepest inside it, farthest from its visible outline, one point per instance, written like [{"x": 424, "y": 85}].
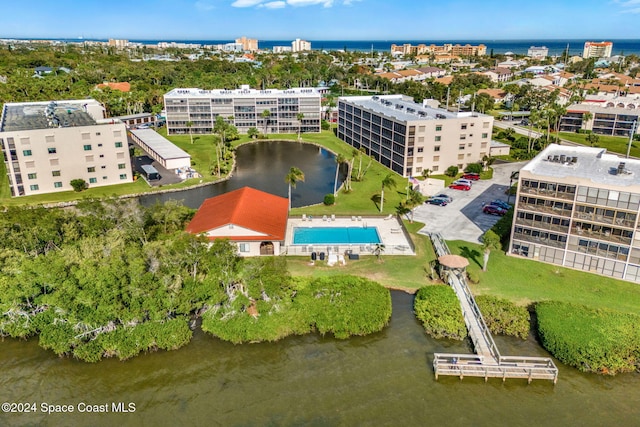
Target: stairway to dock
[{"x": 487, "y": 362}]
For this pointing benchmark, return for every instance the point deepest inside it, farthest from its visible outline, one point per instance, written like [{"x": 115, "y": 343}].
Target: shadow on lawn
[{"x": 470, "y": 254}]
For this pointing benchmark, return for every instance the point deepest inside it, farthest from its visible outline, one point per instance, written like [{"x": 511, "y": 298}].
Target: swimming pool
[{"x": 335, "y": 235}]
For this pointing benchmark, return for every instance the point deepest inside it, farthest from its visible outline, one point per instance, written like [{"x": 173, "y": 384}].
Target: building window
[
  {"x": 418, "y": 169},
  {"x": 54, "y": 162},
  {"x": 26, "y": 153},
  {"x": 461, "y": 147},
  {"x": 438, "y": 138},
  {"x": 436, "y": 148},
  {"x": 98, "y": 134},
  {"x": 463, "y": 136},
  {"x": 103, "y": 167},
  {"x": 91, "y": 169},
  {"x": 52, "y": 150},
  {"x": 57, "y": 184},
  {"x": 460, "y": 156},
  {"x": 116, "y": 134},
  {"x": 485, "y": 124},
  {"x": 122, "y": 166},
  {"x": 101, "y": 156},
  {"x": 436, "y": 158},
  {"x": 434, "y": 168},
  {"x": 123, "y": 176},
  {"x": 463, "y": 126},
  {"x": 104, "y": 178},
  {"x": 118, "y": 144},
  {"x": 469, "y": 145},
  {"x": 88, "y": 158},
  {"x": 438, "y": 128},
  {"x": 55, "y": 173},
  {"x": 419, "y": 159},
  {"x": 32, "y": 176},
  {"x": 34, "y": 187},
  {"x": 421, "y": 128},
  {"x": 87, "y": 147},
  {"x": 86, "y": 136},
  {"x": 421, "y": 139},
  {"x": 49, "y": 138},
  {"x": 485, "y": 135},
  {"x": 119, "y": 155},
  {"x": 93, "y": 180},
  {"x": 30, "y": 165},
  {"x": 99, "y": 145},
  {"x": 420, "y": 149},
  {"x": 244, "y": 247}
]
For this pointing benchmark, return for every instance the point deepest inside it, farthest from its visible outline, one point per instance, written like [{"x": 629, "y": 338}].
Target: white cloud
[
  {"x": 628, "y": 6},
  {"x": 274, "y": 5},
  {"x": 296, "y": 3},
  {"x": 246, "y": 3},
  {"x": 204, "y": 6}
]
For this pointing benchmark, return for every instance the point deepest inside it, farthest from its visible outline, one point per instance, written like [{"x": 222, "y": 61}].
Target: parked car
[
  {"x": 472, "y": 176},
  {"x": 448, "y": 198},
  {"x": 501, "y": 203},
  {"x": 438, "y": 201},
  {"x": 494, "y": 210},
  {"x": 460, "y": 186},
  {"x": 524, "y": 122},
  {"x": 463, "y": 181}
]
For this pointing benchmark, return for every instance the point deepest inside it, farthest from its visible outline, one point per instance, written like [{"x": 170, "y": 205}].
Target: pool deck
[{"x": 390, "y": 229}]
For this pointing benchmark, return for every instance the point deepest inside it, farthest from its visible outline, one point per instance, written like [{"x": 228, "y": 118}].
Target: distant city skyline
[{"x": 321, "y": 19}]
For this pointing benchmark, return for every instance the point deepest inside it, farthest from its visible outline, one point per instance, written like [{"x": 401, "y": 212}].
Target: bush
[
  {"x": 329, "y": 199},
  {"x": 325, "y": 125},
  {"x": 503, "y": 227},
  {"x": 452, "y": 171},
  {"x": 592, "y": 340},
  {"x": 438, "y": 308},
  {"x": 473, "y": 168},
  {"x": 79, "y": 185},
  {"x": 504, "y": 317}
]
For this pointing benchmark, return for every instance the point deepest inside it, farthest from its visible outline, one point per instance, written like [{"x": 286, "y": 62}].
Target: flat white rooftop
[
  {"x": 18, "y": 116},
  {"x": 404, "y": 109},
  {"x": 242, "y": 93},
  {"x": 159, "y": 144},
  {"x": 587, "y": 163}
]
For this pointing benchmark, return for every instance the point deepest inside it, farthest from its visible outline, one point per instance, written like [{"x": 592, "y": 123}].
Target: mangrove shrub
[
  {"x": 438, "y": 308},
  {"x": 504, "y": 317}
]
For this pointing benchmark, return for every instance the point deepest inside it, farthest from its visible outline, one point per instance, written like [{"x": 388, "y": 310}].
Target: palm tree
[
  {"x": 340, "y": 159},
  {"x": 189, "y": 125},
  {"x": 586, "y": 116},
  {"x": 299, "y": 116},
  {"x": 378, "y": 249},
  {"x": 292, "y": 179},
  {"x": 490, "y": 241},
  {"x": 265, "y": 115},
  {"x": 414, "y": 198},
  {"x": 387, "y": 182}
]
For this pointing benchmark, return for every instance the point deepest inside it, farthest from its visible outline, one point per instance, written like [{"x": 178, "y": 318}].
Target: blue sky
[{"x": 322, "y": 19}]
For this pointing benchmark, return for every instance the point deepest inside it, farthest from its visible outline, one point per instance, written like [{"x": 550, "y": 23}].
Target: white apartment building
[
  {"x": 244, "y": 108},
  {"x": 282, "y": 49},
  {"x": 408, "y": 137},
  {"x": 46, "y": 145},
  {"x": 579, "y": 207},
  {"x": 538, "y": 52},
  {"x": 300, "y": 45},
  {"x": 597, "y": 49}
]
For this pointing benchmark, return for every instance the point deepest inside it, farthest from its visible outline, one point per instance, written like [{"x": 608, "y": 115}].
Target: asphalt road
[{"x": 463, "y": 219}]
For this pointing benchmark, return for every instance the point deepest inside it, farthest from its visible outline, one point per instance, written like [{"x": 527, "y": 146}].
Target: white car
[{"x": 464, "y": 181}]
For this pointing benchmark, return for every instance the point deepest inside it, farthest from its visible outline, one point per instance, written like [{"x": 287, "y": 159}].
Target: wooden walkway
[{"x": 487, "y": 362}]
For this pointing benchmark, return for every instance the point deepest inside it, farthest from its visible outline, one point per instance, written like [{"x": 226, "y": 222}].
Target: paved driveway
[{"x": 463, "y": 219}]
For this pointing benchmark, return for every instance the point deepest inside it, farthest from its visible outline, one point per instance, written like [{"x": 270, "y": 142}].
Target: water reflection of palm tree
[
  {"x": 340, "y": 159},
  {"x": 292, "y": 179},
  {"x": 265, "y": 115}
]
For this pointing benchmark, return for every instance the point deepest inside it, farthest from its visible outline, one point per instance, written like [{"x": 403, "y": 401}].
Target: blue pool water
[{"x": 335, "y": 235}]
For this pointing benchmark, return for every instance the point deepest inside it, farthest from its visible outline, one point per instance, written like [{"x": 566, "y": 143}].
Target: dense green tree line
[{"x": 113, "y": 279}]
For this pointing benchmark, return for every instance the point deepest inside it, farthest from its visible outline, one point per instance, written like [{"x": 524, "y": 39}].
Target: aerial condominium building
[
  {"x": 597, "y": 49},
  {"x": 46, "y": 145},
  {"x": 269, "y": 111},
  {"x": 578, "y": 207},
  {"x": 408, "y": 137},
  {"x": 614, "y": 118}
]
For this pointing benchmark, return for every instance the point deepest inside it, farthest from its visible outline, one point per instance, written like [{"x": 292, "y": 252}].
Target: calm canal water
[
  {"x": 380, "y": 380},
  {"x": 263, "y": 166}
]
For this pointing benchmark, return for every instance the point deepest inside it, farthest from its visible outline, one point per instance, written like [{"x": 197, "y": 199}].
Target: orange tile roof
[
  {"x": 121, "y": 86},
  {"x": 446, "y": 80},
  {"x": 246, "y": 207},
  {"x": 494, "y": 93}
]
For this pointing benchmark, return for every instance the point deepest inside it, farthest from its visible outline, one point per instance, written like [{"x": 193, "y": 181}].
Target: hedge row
[
  {"x": 591, "y": 340},
  {"x": 438, "y": 308},
  {"x": 504, "y": 317}
]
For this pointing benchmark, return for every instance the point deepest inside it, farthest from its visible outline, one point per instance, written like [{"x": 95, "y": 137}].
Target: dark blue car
[{"x": 438, "y": 201}]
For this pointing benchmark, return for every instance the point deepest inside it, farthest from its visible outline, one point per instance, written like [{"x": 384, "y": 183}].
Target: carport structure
[{"x": 161, "y": 149}]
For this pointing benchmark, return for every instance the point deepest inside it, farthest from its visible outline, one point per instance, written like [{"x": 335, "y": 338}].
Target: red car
[
  {"x": 459, "y": 186},
  {"x": 494, "y": 210},
  {"x": 471, "y": 176}
]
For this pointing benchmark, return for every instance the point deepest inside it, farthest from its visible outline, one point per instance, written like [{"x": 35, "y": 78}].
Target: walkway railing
[{"x": 488, "y": 362}]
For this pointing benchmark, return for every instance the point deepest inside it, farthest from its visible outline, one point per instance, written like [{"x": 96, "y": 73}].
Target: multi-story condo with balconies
[
  {"x": 579, "y": 207},
  {"x": 614, "y": 118},
  {"x": 597, "y": 49},
  {"x": 408, "y": 137},
  {"x": 269, "y": 111},
  {"x": 46, "y": 145}
]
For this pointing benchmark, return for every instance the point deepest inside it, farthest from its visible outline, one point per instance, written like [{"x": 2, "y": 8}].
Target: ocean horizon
[{"x": 517, "y": 46}]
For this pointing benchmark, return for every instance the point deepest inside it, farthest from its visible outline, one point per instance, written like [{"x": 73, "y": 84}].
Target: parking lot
[{"x": 463, "y": 218}]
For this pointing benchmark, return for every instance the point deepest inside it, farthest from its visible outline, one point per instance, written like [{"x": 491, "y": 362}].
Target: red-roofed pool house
[{"x": 256, "y": 221}]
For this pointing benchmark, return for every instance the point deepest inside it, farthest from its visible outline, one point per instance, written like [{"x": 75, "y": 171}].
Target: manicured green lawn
[
  {"x": 395, "y": 271},
  {"x": 526, "y": 281},
  {"x": 616, "y": 144}
]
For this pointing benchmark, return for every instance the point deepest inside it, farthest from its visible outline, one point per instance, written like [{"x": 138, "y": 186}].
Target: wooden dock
[{"x": 487, "y": 362}]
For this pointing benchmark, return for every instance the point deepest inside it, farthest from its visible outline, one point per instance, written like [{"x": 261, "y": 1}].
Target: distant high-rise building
[
  {"x": 447, "y": 48},
  {"x": 597, "y": 49},
  {"x": 118, "y": 43},
  {"x": 300, "y": 45},
  {"x": 250, "y": 45},
  {"x": 536, "y": 52}
]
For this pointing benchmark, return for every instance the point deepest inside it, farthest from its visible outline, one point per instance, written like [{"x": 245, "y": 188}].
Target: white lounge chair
[
  {"x": 333, "y": 217},
  {"x": 324, "y": 217},
  {"x": 359, "y": 218},
  {"x": 353, "y": 218},
  {"x": 341, "y": 260},
  {"x": 332, "y": 260},
  {"x": 304, "y": 217}
]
